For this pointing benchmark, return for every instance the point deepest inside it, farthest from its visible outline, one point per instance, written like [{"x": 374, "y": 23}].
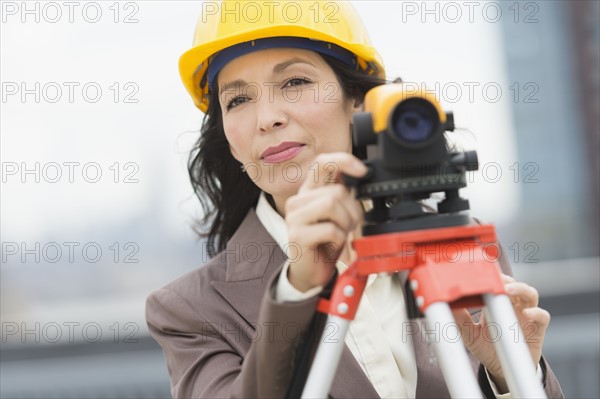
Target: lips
[{"x": 282, "y": 152}]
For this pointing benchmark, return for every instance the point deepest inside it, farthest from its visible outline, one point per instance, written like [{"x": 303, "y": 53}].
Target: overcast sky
[{"x": 145, "y": 135}]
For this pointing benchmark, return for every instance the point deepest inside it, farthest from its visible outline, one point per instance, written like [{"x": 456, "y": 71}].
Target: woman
[{"x": 279, "y": 94}]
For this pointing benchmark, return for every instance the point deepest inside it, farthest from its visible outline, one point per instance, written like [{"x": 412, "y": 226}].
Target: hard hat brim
[{"x": 194, "y": 62}]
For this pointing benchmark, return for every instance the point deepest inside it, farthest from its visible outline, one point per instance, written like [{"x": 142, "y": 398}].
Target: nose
[{"x": 271, "y": 116}]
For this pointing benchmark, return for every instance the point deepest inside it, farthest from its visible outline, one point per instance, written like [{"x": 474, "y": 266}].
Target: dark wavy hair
[{"x": 225, "y": 192}]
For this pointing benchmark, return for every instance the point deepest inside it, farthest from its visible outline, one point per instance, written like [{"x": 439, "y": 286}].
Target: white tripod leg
[
  {"x": 514, "y": 355},
  {"x": 327, "y": 358},
  {"x": 452, "y": 356}
]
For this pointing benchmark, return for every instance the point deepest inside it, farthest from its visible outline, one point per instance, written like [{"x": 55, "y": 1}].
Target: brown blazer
[{"x": 224, "y": 335}]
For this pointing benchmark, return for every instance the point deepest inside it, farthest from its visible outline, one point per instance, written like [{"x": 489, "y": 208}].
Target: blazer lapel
[
  {"x": 252, "y": 257},
  {"x": 350, "y": 381},
  {"x": 430, "y": 383}
]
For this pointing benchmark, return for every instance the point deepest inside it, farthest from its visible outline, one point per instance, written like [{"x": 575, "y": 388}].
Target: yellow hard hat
[{"x": 331, "y": 27}]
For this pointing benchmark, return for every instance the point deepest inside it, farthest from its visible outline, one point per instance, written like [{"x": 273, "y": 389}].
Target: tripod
[
  {"x": 450, "y": 262},
  {"x": 448, "y": 267}
]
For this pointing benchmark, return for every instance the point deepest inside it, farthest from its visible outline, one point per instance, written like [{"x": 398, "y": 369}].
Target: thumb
[{"x": 465, "y": 324}]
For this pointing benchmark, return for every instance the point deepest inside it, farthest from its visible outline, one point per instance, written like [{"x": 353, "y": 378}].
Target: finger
[
  {"x": 332, "y": 202},
  {"x": 537, "y": 315},
  {"x": 328, "y": 168},
  {"x": 326, "y": 234},
  {"x": 462, "y": 316},
  {"x": 323, "y": 203},
  {"x": 507, "y": 279},
  {"x": 466, "y": 325},
  {"x": 522, "y": 295},
  {"x": 325, "y": 208},
  {"x": 534, "y": 329},
  {"x": 300, "y": 200}
]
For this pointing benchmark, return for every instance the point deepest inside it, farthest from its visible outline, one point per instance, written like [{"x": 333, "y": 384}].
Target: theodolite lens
[
  {"x": 414, "y": 121},
  {"x": 413, "y": 126}
]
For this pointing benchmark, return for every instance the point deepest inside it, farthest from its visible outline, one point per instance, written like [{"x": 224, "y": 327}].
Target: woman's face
[{"x": 281, "y": 108}]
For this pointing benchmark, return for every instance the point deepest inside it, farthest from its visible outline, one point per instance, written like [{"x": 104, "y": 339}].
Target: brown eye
[
  {"x": 296, "y": 82},
  {"x": 234, "y": 102}
]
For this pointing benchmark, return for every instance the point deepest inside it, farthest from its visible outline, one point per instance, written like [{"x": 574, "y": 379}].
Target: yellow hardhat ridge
[{"x": 230, "y": 22}]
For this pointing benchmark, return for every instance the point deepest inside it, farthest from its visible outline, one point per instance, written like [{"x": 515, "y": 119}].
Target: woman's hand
[
  {"x": 532, "y": 319},
  {"x": 320, "y": 218}
]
